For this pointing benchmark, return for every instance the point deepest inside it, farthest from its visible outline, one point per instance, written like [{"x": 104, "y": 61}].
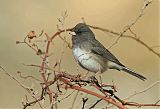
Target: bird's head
[{"x": 80, "y": 28}]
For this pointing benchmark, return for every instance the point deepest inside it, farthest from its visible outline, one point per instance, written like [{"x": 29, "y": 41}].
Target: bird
[{"x": 91, "y": 55}]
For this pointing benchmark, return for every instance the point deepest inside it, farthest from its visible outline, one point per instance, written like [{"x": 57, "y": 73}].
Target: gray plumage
[{"x": 92, "y": 55}]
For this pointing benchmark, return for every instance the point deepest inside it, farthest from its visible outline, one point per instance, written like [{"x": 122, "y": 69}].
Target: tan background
[{"x": 19, "y": 17}]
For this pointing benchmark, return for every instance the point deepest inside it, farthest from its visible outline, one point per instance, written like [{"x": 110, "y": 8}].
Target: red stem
[
  {"x": 109, "y": 100},
  {"x": 44, "y": 59}
]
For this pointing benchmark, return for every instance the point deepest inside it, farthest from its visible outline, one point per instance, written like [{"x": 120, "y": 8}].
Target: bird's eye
[{"x": 79, "y": 32}]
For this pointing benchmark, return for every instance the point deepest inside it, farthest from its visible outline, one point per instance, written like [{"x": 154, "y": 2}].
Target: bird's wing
[{"x": 99, "y": 49}]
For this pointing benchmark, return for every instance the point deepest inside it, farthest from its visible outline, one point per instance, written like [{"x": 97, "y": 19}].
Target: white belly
[{"x": 89, "y": 61}]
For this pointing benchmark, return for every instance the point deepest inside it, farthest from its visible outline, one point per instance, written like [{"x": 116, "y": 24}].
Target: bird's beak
[{"x": 72, "y": 33}]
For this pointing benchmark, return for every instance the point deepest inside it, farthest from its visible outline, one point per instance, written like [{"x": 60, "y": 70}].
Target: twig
[
  {"x": 35, "y": 101},
  {"x": 45, "y": 57},
  {"x": 95, "y": 103},
  {"x": 74, "y": 100},
  {"x": 68, "y": 44},
  {"x": 84, "y": 102},
  {"x": 140, "y": 105},
  {"x": 58, "y": 101},
  {"x": 24, "y": 87},
  {"x": 38, "y": 66},
  {"x": 121, "y": 34},
  {"x": 27, "y": 77},
  {"x": 145, "y": 90},
  {"x": 110, "y": 100},
  {"x": 157, "y": 102},
  {"x": 130, "y": 37}
]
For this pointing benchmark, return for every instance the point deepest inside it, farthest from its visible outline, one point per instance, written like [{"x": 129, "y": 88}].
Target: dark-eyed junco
[{"x": 92, "y": 55}]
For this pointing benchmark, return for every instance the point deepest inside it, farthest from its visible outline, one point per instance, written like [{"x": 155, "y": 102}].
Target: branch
[
  {"x": 35, "y": 101},
  {"x": 19, "y": 83},
  {"x": 74, "y": 100},
  {"x": 45, "y": 57},
  {"x": 109, "y": 100},
  {"x": 27, "y": 77},
  {"x": 24, "y": 87},
  {"x": 95, "y": 103},
  {"x": 128, "y": 27},
  {"x": 84, "y": 102},
  {"x": 127, "y": 36},
  {"x": 140, "y": 105},
  {"x": 145, "y": 90}
]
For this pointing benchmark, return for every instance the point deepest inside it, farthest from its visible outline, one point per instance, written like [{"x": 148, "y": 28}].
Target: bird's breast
[{"x": 88, "y": 60}]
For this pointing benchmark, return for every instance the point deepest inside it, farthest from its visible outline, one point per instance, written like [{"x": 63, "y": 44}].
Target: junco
[{"x": 92, "y": 55}]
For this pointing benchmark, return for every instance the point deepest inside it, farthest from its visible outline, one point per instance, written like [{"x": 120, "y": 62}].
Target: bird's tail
[{"x": 133, "y": 73}]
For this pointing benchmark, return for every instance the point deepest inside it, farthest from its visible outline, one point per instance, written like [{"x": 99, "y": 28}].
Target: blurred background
[{"x": 19, "y": 17}]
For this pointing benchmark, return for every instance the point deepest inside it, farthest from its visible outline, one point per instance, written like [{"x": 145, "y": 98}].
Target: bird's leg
[
  {"x": 97, "y": 74},
  {"x": 89, "y": 77},
  {"x": 92, "y": 76},
  {"x": 86, "y": 74},
  {"x": 100, "y": 78}
]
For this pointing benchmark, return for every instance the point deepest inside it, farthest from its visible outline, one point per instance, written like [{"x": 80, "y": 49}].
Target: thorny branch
[
  {"x": 127, "y": 36},
  {"x": 29, "y": 90},
  {"x": 128, "y": 28},
  {"x": 144, "y": 90},
  {"x": 8, "y": 74}
]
